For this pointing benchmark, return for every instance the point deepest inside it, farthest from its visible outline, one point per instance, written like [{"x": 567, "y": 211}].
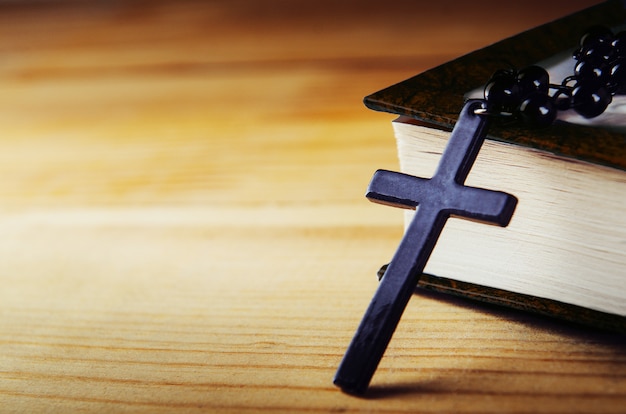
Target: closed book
[{"x": 564, "y": 251}]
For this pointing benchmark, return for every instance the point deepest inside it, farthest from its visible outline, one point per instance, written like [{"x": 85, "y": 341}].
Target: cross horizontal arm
[
  {"x": 495, "y": 207},
  {"x": 407, "y": 191},
  {"x": 397, "y": 189}
]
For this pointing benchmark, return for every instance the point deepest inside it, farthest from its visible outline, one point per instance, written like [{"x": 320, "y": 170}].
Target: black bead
[
  {"x": 537, "y": 110},
  {"x": 502, "y": 93},
  {"x": 591, "y": 72},
  {"x": 589, "y": 100},
  {"x": 599, "y": 73},
  {"x": 617, "y": 77},
  {"x": 619, "y": 44},
  {"x": 595, "y": 35},
  {"x": 598, "y": 53},
  {"x": 595, "y": 44},
  {"x": 532, "y": 79}
]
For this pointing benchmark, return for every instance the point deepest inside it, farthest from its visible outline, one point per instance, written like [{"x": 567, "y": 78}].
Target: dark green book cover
[{"x": 436, "y": 96}]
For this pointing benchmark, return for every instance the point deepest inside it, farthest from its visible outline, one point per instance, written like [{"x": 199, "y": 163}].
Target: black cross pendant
[{"x": 438, "y": 198}]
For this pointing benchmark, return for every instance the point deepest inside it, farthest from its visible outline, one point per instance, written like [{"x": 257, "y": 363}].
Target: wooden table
[{"x": 183, "y": 222}]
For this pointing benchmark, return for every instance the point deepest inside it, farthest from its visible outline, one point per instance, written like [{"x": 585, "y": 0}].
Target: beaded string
[{"x": 528, "y": 95}]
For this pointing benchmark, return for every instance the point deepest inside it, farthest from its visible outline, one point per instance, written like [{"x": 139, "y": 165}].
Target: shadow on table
[{"x": 611, "y": 355}]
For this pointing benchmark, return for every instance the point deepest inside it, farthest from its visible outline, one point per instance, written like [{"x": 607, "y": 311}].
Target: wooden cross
[{"x": 438, "y": 198}]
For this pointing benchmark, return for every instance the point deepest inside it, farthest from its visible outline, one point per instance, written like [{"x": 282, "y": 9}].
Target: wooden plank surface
[{"x": 183, "y": 221}]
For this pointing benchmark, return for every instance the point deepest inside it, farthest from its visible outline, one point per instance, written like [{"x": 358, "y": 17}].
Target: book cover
[
  {"x": 435, "y": 96},
  {"x": 433, "y": 99}
]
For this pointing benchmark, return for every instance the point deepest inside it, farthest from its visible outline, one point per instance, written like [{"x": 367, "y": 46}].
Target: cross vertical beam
[{"x": 436, "y": 199}]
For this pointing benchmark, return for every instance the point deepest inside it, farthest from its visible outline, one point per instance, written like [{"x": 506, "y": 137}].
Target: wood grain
[{"x": 183, "y": 221}]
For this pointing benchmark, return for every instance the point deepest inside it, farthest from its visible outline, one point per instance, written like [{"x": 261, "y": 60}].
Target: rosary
[{"x": 524, "y": 95}]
